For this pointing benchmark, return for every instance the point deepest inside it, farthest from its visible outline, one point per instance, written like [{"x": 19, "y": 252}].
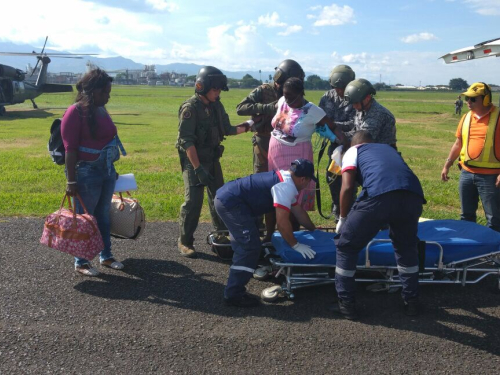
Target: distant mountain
[{"x": 109, "y": 63}]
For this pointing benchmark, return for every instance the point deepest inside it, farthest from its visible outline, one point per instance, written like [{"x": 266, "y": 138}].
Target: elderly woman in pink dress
[{"x": 294, "y": 125}]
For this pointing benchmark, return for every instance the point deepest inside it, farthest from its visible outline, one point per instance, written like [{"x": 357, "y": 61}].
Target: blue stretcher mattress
[{"x": 460, "y": 240}]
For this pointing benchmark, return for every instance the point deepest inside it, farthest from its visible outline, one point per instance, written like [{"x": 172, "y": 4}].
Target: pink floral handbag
[{"x": 72, "y": 233}]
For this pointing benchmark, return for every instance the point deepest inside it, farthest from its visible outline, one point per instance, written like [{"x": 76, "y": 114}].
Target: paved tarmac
[{"x": 164, "y": 314}]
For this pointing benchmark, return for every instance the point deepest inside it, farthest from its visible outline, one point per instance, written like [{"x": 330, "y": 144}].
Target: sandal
[
  {"x": 86, "y": 270},
  {"x": 112, "y": 263}
]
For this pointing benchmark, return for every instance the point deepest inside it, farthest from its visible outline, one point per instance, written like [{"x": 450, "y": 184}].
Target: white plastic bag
[{"x": 336, "y": 164}]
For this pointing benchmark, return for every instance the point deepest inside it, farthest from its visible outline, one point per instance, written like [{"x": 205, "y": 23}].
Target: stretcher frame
[{"x": 298, "y": 276}]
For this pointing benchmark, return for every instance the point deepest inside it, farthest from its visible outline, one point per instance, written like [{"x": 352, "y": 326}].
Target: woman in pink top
[
  {"x": 294, "y": 124},
  {"x": 92, "y": 146}
]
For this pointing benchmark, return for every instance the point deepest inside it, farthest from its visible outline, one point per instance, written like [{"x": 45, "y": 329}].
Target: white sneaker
[
  {"x": 87, "y": 270},
  {"x": 112, "y": 263}
]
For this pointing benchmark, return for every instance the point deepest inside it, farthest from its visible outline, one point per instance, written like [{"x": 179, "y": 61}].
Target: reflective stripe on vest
[{"x": 487, "y": 158}]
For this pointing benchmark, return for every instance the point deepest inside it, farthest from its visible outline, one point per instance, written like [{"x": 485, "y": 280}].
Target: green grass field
[{"x": 146, "y": 117}]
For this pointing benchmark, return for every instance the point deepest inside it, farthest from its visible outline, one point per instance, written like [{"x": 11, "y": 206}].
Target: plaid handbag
[{"x": 72, "y": 233}]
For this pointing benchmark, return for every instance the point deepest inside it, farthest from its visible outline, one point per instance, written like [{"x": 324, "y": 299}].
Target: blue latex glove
[{"x": 325, "y": 132}]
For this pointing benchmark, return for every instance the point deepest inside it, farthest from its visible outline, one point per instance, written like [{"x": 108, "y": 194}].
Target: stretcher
[{"x": 450, "y": 252}]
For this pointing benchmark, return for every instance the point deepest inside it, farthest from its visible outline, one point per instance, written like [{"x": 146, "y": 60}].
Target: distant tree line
[{"x": 315, "y": 82}]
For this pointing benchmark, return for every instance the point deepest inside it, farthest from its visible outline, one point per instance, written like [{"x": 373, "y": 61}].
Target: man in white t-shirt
[{"x": 239, "y": 203}]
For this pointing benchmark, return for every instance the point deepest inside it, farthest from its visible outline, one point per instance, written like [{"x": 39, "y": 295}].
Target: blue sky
[{"x": 392, "y": 41}]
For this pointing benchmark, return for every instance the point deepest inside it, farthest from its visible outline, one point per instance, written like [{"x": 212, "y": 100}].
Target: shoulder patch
[{"x": 186, "y": 113}]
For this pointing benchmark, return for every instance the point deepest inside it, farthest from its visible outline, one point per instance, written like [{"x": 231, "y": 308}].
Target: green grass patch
[{"x": 146, "y": 117}]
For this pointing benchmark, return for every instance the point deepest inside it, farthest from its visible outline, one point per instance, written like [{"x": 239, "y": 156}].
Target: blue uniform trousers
[
  {"x": 245, "y": 241},
  {"x": 400, "y": 209}
]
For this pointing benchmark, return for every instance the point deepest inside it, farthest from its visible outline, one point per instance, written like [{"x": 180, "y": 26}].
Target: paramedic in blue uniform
[
  {"x": 239, "y": 204},
  {"x": 391, "y": 195}
]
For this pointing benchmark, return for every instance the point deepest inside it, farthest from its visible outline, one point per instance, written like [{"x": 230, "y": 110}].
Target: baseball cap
[
  {"x": 476, "y": 89},
  {"x": 303, "y": 168}
]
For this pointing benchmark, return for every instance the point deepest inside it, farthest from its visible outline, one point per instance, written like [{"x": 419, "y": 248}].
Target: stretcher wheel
[
  {"x": 262, "y": 273},
  {"x": 271, "y": 294}
]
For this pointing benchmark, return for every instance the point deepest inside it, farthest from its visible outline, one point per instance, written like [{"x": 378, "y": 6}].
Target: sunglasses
[{"x": 468, "y": 98}]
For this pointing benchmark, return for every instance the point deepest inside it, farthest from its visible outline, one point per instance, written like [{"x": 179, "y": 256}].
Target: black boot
[
  {"x": 246, "y": 300},
  {"x": 411, "y": 307},
  {"x": 344, "y": 308}
]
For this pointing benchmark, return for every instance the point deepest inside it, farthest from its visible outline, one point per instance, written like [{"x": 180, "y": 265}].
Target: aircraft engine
[{"x": 10, "y": 72}]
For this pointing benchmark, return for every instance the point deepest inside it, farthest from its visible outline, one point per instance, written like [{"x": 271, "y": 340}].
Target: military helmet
[
  {"x": 340, "y": 76},
  {"x": 209, "y": 77},
  {"x": 287, "y": 69},
  {"x": 357, "y": 90}
]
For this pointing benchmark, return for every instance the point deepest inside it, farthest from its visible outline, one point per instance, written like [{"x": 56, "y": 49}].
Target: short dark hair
[
  {"x": 295, "y": 84},
  {"x": 361, "y": 136}
]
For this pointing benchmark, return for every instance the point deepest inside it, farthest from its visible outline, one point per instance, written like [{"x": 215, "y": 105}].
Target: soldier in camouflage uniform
[
  {"x": 261, "y": 105},
  {"x": 342, "y": 113},
  {"x": 370, "y": 115},
  {"x": 203, "y": 124}
]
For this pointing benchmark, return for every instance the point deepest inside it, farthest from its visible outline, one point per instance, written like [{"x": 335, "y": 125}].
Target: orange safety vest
[{"x": 487, "y": 158}]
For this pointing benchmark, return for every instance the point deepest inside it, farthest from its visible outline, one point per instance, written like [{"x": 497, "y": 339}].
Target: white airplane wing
[{"x": 484, "y": 49}]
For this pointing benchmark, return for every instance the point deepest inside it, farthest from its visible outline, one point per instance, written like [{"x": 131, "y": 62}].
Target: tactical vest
[
  {"x": 487, "y": 158},
  {"x": 269, "y": 95},
  {"x": 209, "y": 128}
]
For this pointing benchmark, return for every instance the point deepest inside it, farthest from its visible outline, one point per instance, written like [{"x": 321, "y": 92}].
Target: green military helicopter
[{"x": 14, "y": 89}]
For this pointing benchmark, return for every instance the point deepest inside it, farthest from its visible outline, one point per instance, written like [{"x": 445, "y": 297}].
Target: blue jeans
[
  {"x": 473, "y": 186},
  {"x": 96, "y": 184}
]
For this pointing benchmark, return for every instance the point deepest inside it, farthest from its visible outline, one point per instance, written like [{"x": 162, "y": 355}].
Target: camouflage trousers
[
  {"x": 193, "y": 198},
  {"x": 260, "y": 150}
]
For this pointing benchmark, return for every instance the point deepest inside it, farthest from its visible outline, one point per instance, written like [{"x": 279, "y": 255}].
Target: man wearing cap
[
  {"x": 239, "y": 203},
  {"x": 203, "y": 124},
  {"x": 478, "y": 146}
]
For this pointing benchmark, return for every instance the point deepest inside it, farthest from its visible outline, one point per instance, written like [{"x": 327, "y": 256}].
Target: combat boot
[
  {"x": 246, "y": 300},
  {"x": 187, "y": 251},
  {"x": 344, "y": 308},
  {"x": 411, "y": 307}
]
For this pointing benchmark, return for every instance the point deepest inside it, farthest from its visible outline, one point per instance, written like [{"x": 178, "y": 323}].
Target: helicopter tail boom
[{"x": 54, "y": 87}]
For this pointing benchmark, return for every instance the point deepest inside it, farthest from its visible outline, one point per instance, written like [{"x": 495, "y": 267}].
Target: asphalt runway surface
[{"x": 164, "y": 314}]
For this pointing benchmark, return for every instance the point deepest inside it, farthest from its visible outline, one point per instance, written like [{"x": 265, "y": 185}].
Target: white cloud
[
  {"x": 271, "y": 20},
  {"x": 333, "y": 15},
  {"x": 485, "y": 7},
  {"x": 105, "y": 34},
  {"x": 163, "y": 5},
  {"x": 231, "y": 47},
  {"x": 360, "y": 58},
  {"x": 290, "y": 30},
  {"x": 415, "y": 38}
]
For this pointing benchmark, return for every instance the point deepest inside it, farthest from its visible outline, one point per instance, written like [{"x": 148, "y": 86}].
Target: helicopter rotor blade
[
  {"x": 44, "y": 44},
  {"x": 47, "y": 54},
  {"x": 39, "y": 56}
]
